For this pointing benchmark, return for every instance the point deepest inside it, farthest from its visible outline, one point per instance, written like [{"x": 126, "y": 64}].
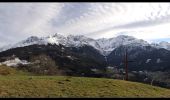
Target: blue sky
[
  {"x": 148, "y": 21},
  {"x": 161, "y": 39}
]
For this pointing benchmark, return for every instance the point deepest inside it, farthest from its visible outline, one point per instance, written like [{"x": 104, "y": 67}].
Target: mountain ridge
[
  {"x": 104, "y": 45},
  {"x": 81, "y": 56}
]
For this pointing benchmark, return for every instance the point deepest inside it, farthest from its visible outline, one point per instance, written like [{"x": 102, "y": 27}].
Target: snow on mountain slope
[
  {"x": 14, "y": 62},
  {"x": 81, "y": 40},
  {"x": 109, "y": 45},
  {"x": 55, "y": 39},
  {"x": 162, "y": 44},
  {"x": 103, "y": 45},
  {"x": 29, "y": 41}
]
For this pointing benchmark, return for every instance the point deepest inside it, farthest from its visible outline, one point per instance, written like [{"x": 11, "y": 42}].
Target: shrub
[{"x": 43, "y": 64}]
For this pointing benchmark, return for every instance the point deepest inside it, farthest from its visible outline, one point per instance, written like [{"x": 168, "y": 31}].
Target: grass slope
[
  {"x": 8, "y": 71},
  {"x": 62, "y": 86}
]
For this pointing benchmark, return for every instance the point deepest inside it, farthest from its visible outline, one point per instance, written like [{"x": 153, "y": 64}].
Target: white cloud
[
  {"x": 142, "y": 20},
  {"x": 19, "y": 20}
]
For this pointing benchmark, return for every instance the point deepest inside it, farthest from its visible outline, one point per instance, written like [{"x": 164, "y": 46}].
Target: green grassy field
[{"x": 19, "y": 85}]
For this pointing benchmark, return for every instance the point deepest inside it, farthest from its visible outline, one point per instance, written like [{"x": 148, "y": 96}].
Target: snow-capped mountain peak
[
  {"x": 31, "y": 39},
  {"x": 162, "y": 44},
  {"x": 104, "y": 46},
  {"x": 52, "y": 40}
]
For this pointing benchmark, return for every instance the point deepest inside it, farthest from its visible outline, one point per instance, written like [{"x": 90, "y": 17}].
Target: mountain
[
  {"x": 104, "y": 46},
  {"x": 73, "y": 60},
  {"x": 144, "y": 58},
  {"x": 108, "y": 45},
  {"x": 163, "y": 44},
  {"x": 77, "y": 53}
]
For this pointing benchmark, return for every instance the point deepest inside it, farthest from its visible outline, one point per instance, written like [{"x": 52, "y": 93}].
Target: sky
[{"x": 148, "y": 21}]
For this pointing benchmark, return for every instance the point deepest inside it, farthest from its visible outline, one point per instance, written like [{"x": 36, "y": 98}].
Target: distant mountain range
[
  {"x": 103, "y": 45},
  {"x": 77, "y": 53}
]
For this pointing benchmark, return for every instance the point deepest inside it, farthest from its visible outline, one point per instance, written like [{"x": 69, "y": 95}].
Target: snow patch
[
  {"x": 15, "y": 62},
  {"x": 94, "y": 70},
  {"x": 109, "y": 67},
  {"x": 70, "y": 57},
  {"x": 158, "y": 60},
  {"x": 148, "y": 60},
  {"x": 52, "y": 40}
]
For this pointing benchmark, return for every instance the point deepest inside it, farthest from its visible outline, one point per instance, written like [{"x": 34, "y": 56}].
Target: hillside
[
  {"x": 79, "y": 55},
  {"x": 22, "y": 85},
  {"x": 8, "y": 71}
]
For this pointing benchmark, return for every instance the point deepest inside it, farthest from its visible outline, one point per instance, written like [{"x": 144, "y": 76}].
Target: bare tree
[
  {"x": 155, "y": 76},
  {"x": 43, "y": 64}
]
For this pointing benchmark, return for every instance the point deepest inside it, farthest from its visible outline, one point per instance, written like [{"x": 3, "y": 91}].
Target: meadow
[{"x": 18, "y": 84}]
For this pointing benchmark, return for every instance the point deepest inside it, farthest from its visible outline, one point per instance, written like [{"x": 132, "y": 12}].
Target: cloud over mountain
[{"x": 147, "y": 21}]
